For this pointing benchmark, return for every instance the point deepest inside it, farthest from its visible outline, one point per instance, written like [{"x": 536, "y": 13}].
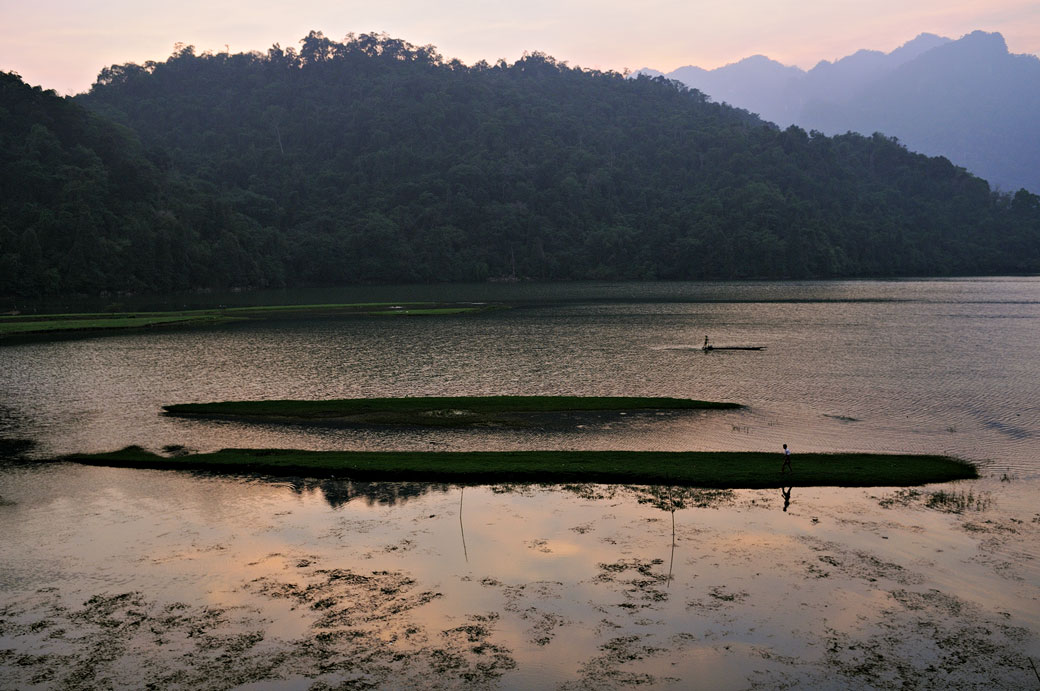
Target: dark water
[
  {"x": 936, "y": 366},
  {"x": 116, "y": 578}
]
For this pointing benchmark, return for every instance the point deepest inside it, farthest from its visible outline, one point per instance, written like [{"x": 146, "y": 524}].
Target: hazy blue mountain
[
  {"x": 845, "y": 78},
  {"x": 969, "y": 100},
  {"x": 756, "y": 83},
  {"x": 646, "y": 71}
]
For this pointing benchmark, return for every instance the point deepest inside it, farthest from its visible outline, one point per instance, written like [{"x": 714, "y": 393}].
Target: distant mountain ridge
[{"x": 969, "y": 99}]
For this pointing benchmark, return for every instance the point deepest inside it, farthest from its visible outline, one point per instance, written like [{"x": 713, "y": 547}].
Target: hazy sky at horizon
[{"x": 63, "y": 44}]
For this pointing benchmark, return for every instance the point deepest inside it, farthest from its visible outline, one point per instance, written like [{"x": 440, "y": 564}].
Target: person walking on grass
[{"x": 787, "y": 461}]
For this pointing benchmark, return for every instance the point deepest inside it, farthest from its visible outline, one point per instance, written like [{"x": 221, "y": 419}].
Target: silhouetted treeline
[
  {"x": 84, "y": 210},
  {"x": 374, "y": 160}
]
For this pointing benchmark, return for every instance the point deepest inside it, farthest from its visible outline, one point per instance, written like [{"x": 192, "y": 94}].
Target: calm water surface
[
  {"x": 113, "y": 576},
  {"x": 937, "y": 366}
]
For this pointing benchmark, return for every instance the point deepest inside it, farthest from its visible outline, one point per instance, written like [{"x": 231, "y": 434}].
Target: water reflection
[
  {"x": 669, "y": 498},
  {"x": 333, "y": 582},
  {"x": 462, "y": 528},
  {"x": 302, "y": 581},
  {"x": 16, "y": 449},
  {"x": 920, "y": 366},
  {"x": 338, "y": 493}
]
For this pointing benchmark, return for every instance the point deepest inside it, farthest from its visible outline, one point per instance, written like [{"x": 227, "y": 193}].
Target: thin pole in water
[{"x": 462, "y": 530}]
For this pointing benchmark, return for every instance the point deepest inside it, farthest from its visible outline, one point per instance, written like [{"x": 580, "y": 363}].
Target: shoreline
[
  {"x": 19, "y": 326},
  {"x": 717, "y": 470}
]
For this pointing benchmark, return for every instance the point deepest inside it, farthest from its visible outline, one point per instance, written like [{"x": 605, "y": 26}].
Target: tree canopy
[
  {"x": 85, "y": 209},
  {"x": 373, "y": 160}
]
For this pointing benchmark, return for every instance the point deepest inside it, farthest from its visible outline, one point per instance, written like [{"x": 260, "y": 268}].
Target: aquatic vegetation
[
  {"x": 958, "y": 502},
  {"x": 101, "y": 322},
  {"x": 362, "y": 625},
  {"x": 948, "y": 501},
  {"x": 720, "y": 470},
  {"x": 437, "y": 411}
]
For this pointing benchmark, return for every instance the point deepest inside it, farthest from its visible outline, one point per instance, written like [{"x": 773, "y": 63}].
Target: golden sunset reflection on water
[{"x": 535, "y": 585}]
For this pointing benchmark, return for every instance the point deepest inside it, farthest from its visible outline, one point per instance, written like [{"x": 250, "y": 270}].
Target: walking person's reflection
[{"x": 786, "y": 494}]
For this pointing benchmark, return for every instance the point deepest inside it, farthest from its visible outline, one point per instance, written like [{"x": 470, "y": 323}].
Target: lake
[{"x": 120, "y": 577}]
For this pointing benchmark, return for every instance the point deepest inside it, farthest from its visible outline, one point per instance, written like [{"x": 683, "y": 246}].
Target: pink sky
[{"x": 63, "y": 44}]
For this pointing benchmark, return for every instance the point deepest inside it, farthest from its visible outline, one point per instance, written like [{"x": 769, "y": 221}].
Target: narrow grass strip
[
  {"x": 19, "y": 325},
  {"x": 105, "y": 324},
  {"x": 729, "y": 470},
  {"x": 435, "y": 411},
  {"x": 475, "y": 404}
]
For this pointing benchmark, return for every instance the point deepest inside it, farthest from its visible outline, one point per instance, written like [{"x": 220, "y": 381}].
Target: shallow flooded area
[{"x": 116, "y": 578}]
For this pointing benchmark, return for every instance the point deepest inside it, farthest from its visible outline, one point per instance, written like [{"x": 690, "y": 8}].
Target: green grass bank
[
  {"x": 729, "y": 470},
  {"x": 100, "y": 322},
  {"x": 436, "y": 411}
]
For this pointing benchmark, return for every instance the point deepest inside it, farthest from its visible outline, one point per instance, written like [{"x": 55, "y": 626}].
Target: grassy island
[
  {"x": 444, "y": 411},
  {"x": 87, "y": 323},
  {"x": 731, "y": 470}
]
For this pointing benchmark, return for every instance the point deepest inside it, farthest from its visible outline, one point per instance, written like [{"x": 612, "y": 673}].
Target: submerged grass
[
  {"x": 90, "y": 322},
  {"x": 958, "y": 502},
  {"x": 440, "y": 411},
  {"x": 731, "y": 470},
  {"x": 948, "y": 501}
]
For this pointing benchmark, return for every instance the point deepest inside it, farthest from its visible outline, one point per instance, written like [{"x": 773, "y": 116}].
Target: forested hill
[
  {"x": 84, "y": 210},
  {"x": 375, "y": 160}
]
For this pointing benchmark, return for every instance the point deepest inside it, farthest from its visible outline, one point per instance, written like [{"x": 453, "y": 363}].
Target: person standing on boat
[
  {"x": 705, "y": 342},
  {"x": 787, "y": 461}
]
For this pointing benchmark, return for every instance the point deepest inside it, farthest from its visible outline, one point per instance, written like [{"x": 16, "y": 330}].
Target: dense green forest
[
  {"x": 373, "y": 160},
  {"x": 85, "y": 210}
]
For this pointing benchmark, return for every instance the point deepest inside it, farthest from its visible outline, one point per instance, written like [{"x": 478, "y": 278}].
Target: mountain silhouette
[{"x": 970, "y": 100}]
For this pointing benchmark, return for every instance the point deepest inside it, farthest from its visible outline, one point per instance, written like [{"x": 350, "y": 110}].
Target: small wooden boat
[{"x": 711, "y": 347}]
